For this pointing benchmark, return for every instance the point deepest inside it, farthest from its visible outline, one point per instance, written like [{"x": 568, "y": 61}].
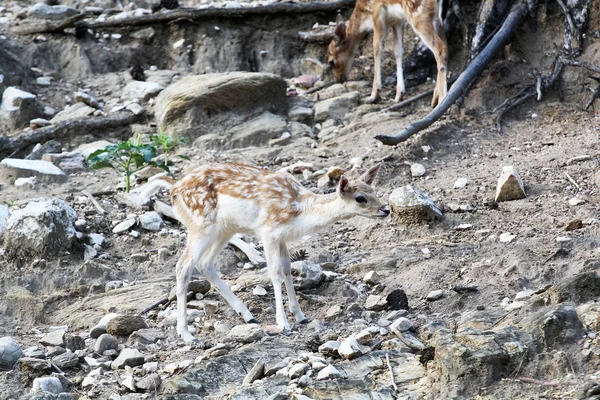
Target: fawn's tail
[{"x": 154, "y": 186}]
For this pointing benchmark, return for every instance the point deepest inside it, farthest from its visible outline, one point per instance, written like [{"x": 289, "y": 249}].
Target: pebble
[
  {"x": 43, "y": 81},
  {"x": 563, "y": 239},
  {"x": 105, "y": 342},
  {"x": 461, "y": 183},
  {"x": 151, "y": 221},
  {"x": 575, "y": 201},
  {"x": 128, "y": 357},
  {"x": 124, "y": 226},
  {"x": 514, "y": 306},
  {"x": 259, "y": 291},
  {"x": 463, "y": 227},
  {"x": 55, "y": 338},
  {"x": 524, "y": 294},
  {"x": 329, "y": 347},
  {"x": 351, "y": 349},
  {"x": 329, "y": 372},
  {"x": 375, "y": 303},
  {"x": 401, "y": 324},
  {"x": 124, "y": 325},
  {"x": 247, "y": 333},
  {"x": 510, "y": 185},
  {"x": 371, "y": 278},
  {"x": 417, "y": 170},
  {"x": 50, "y": 384},
  {"x": 333, "y": 312},
  {"x": 435, "y": 295},
  {"x": 507, "y": 237},
  {"x": 66, "y": 360},
  {"x": 297, "y": 370}
]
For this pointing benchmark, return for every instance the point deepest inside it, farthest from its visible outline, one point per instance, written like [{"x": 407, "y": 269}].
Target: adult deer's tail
[{"x": 154, "y": 186}]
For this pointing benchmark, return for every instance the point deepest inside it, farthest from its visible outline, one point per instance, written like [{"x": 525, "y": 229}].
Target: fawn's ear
[
  {"x": 369, "y": 176},
  {"x": 339, "y": 33},
  {"x": 342, "y": 188}
]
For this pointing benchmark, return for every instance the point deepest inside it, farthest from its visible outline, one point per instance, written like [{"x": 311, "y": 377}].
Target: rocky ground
[{"x": 463, "y": 294}]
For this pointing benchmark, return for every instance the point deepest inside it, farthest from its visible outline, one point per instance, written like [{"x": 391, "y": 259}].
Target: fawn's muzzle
[{"x": 384, "y": 211}]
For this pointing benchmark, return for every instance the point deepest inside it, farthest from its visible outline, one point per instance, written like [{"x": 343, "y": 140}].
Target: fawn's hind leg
[{"x": 286, "y": 270}]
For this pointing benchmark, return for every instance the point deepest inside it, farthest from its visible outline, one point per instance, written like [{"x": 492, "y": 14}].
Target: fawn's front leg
[
  {"x": 184, "y": 274},
  {"x": 286, "y": 269},
  {"x": 273, "y": 255}
]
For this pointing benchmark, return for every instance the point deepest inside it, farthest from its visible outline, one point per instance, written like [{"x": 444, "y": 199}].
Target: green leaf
[
  {"x": 101, "y": 164},
  {"x": 183, "y": 156}
]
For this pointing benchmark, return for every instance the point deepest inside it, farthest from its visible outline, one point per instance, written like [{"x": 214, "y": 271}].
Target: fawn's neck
[{"x": 322, "y": 211}]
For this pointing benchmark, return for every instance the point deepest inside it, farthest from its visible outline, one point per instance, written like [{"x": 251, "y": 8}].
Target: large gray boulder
[
  {"x": 214, "y": 103},
  {"x": 41, "y": 229},
  {"x": 44, "y": 11}
]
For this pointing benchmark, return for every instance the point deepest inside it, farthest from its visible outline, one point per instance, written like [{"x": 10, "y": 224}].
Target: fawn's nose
[{"x": 384, "y": 211}]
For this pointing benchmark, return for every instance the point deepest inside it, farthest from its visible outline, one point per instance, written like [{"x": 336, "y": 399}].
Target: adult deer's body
[
  {"x": 216, "y": 201},
  {"x": 377, "y": 16}
]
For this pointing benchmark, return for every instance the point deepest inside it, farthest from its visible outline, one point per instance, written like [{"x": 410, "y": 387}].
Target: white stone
[
  {"x": 151, "y": 221},
  {"x": 401, "y": 324},
  {"x": 259, "y": 291},
  {"x": 350, "y": 349},
  {"x": 124, "y": 226},
  {"x": 507, "y": 237},
  {"x": 524, "y": 294},
  {"x": 435, "y": 295},
  {"x": 461, "y": 183},
  {"x": 43, "y": 170},
  {"x": 563, "y": 239},
  {"x": 43, "y": 81},
  {"x": 514, "y": 306},
  {"x": 49, "y": 384},
  {"x": 417, "y": 170},
  {"x": 329, "y": 372},
  {"x": 137, "y": 90},
  {"x": 297, "y": 370},
  {"x": 575, "y": 201}
]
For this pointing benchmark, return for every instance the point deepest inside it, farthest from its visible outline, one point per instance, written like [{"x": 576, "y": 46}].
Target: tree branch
[{"x": 510, "y": 25}]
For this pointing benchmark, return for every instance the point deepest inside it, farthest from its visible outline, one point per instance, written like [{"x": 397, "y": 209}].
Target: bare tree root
[
  {"x": 11, "y": 146},
  {"x": 47, "y": 26},
  {"x": 510, "y": 25},
  {"x": 532, "y": 91}
]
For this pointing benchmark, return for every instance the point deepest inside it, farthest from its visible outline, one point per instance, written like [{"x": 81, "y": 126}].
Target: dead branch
[
  {"x": 47, "y": 26},
  {"x": 387, "y": 359},
  {"x": 510, "y": 25},
  {"x": 537, "y": 381},
  {"x": 565, "y": 10},
  {"x": 572, "y": 63},
  {"x": 188, "y": 14},
  {"x": 95, "y": 202},
  {"x": 413, "y": 99},
  {"x": 12, "y": 145}
]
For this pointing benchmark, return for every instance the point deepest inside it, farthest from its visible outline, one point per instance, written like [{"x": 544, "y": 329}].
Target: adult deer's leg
[
  {"x": 286, "y": 269},
  {"x": 398, "y": 30},
  {"x": 379, "y": 29}
]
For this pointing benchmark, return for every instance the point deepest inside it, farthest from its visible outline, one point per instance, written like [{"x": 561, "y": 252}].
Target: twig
[
  {"x": 567, "y": 16},
  {"x": 95, "y": 202},
  {"x": 409, "y": 101},
  {"x": 505, "y": 102},
  {"x": 582, "y": 64},
  {"x": 164, "y": 300},
  {"x": 537, "y": 381},
  {"x": 387, "y": 358},
  {"x": 538, "y": 87},
  {"x": 572, "y": 180}
]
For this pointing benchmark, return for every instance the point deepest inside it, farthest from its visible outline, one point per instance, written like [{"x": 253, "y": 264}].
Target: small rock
[
  {"x": 17, "y": 108},
  {"x": 10, "y": 352},
  {"x": 330, "y": 347},
  {"x": 100, "y": 327},
  {"x": 575, "y": 201},
  {"x": 435, "y": 295},
  {"x": 329, "y": 372},
  {"x": 371, "y": 278},
  {"x": 54, "y": 338},
  {"x": 375, "y": 303},
  {"x": 124, "y": 325},
  {"x": 510, "y": 186},
  {"x": 524, "y": 294},
  {"x": 149, "y": 383},
  {"x": 124, "y": 226},
  {"x": 96, "y": 239},
  {"x": 255, "y": 373},
  {"x": 74, "y": 111},
  {"x": 461, "y": 183},
  {"x": 138, "y": 90},
  {"x": 86, "y": 98},
  {"x": 507, "y": 237},
  {"x": 259, "y": 291},
  {"x": 417, "y": 170},
  {"x": 400, "y": 325},
  {"x": 44, "y": 171},
  {"x": 333, "y": 312},
  {"x": 128, "y": 357},
  {"x": 66, "y": 360},
  {"x": 38, "y": 122},
  {"x": 571, "y": 226},
  {"x": 148, "y": 336},
  {"x": 136, "y": 109},
  {"x": 515, "y": 305},
  {"x": 351, "y": 349},
  {"x": 50, "y": 384},
  {"x": 463, "y": 227},
  {"x": 297, "y": 370},
  {"x": 563, "y": 239},
  {"x": 129, "y": 383},
  {"x": 307, "y": 275},
  {"x": 45, "y": 11},
  {"x": 105, "y": 342},
  {"x": 151, "y": 221},
  {"x": 335, "y": 173},
  {"x": 34, "y": 364},
  {"x": 247, "y": 333}
]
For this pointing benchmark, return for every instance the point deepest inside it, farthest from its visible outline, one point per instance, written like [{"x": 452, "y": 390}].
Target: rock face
[
  {"x": 213, "y": 103},
  {"x": 77, "y": 110},
  {"x": 336, "y": 107},
  {"x": 409, "y": 206},
  {"x": 41, "y": 229},
  {"x": 510, "y": 186},
  {"x": 17, "y": 109},
  {"x": 44, "y": 171},
  {"x": 10, "y": 352}
]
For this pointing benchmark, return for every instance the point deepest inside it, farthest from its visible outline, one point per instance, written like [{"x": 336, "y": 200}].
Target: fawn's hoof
[
  {"x": 304, "y": 321},
  {"x": 252, "y": 321}
]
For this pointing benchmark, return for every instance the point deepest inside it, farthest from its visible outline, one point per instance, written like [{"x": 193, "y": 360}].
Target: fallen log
[
  {"x": 189, "y": 14},
  {"x": 11, "y": 146},
  {"x": 473, "y": 70},
  {"x": 47, "y": 26}
]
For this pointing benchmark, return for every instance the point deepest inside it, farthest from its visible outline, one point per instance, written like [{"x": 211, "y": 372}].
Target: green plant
[
  {"x": 125, "y": 157},
  {"x": 166, "y": 143}
]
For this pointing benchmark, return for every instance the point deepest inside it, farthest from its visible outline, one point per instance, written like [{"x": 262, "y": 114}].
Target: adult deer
[
  {"x": 217, "y": 201},
  {"x": 377, "y": 16}
]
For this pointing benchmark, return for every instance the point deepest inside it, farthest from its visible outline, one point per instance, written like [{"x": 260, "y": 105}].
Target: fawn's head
[
  {"x": 340, "y": 52},
  {"x": 359, "y": 196}
]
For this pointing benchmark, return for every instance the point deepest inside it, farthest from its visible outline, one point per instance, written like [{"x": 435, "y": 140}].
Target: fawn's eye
[{"x": 361, "y": 198}]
